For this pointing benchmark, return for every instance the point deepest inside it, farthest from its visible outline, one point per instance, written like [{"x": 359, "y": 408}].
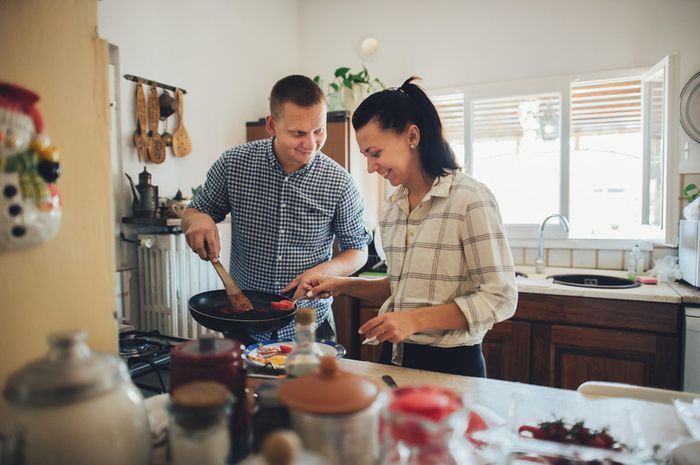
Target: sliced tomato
[
  {"x": 285, "y": 348},
  {"x": 282, "y": 305},
  {"x": 476, "y": 423}
]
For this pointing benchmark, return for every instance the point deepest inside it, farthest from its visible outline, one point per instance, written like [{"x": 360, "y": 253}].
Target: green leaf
[
  {"x": 341, "y": 72},
  {"x": 347, "y": 82},
  {"x": 317, "y": 79},
  {"x": 335, "y": 86}
]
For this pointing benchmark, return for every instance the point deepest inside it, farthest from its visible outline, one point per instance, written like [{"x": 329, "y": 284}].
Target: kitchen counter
[{"x": 661, "y": 292}]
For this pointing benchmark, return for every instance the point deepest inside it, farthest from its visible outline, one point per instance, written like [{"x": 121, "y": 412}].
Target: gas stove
[{"x": 147, "y": 356}]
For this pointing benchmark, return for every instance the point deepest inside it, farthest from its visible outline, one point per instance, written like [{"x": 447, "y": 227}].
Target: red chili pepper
[{"x": 282, "y": 305}]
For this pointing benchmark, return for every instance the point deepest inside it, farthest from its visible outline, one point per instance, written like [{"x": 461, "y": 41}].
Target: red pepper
[{"x": 282, "y": 305}]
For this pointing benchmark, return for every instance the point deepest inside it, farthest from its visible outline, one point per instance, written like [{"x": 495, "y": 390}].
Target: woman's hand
[
  {"x": 323, "y": 287},
  {"x": 393, "y": 327}
]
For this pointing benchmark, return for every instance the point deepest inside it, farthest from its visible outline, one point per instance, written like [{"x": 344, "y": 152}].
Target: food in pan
[{"x": 282, "y": 305}]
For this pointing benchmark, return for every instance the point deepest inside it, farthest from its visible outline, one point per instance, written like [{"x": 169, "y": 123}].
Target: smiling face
[
  {"x": 299, "y": 133},
  {"x": 392, "y": 155}
]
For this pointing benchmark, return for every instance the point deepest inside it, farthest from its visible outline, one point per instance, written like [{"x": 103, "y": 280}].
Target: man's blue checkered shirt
[{"x": 282, "y": 225}]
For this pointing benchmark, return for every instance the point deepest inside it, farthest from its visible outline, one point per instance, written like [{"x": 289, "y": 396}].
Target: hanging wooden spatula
[
  {"x": 140, "y": 140},
  {"x": 239, "y": 301},
  {"x": 182, "y": 145},
  {"x": 156, "y": 145}
]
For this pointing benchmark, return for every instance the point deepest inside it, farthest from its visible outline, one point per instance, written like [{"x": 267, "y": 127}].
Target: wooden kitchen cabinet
[
  {"x": 577, "y": 339},
  {"x": 506, "y": 349},
  {"x": 368, "y": 352}
]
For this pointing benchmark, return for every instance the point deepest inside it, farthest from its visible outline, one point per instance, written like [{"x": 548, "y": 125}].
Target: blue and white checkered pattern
[{"x": 282, "y": 225}]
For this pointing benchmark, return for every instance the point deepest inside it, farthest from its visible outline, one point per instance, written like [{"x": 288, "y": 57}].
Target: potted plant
[{"x": 354, "y": 87}]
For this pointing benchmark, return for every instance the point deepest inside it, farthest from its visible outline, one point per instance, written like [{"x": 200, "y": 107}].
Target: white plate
[{"x": 323, "y": 347}]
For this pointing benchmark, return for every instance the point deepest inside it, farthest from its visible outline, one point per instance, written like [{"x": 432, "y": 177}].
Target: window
[
  {"x": 515, "y": 142},
  {"x": 595, "y": 150},
  {"x": 450, "y": 107}
]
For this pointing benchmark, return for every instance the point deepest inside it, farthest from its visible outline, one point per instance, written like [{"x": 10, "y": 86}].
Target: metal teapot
[{"x": 145, "y": 202}]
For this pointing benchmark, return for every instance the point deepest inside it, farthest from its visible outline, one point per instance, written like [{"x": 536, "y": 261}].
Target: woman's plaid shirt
[{"x": 451, "y": 248}]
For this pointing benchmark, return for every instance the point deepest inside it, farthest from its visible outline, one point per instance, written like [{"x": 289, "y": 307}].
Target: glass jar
[
  {"x": 424, "y": 425},
  {"x": 199, "y": 433},
  {"x": 303, "y": 358}
]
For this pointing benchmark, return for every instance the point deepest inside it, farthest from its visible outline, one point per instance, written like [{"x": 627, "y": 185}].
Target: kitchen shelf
[{"x": 154, "y": 221}]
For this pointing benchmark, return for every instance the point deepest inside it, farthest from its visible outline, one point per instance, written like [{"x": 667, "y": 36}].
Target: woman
[{"x": 450, "y": 271}]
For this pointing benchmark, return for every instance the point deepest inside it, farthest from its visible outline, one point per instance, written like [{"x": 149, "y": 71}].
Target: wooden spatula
[
  {"x": 140, "y": 140},
  {"x": 182, "y": 145},
  {"x": 156, "y": 145},
  {"x": 237, "y": 298}
]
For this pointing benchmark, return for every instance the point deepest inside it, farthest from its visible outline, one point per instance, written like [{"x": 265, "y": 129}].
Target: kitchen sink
[{"x": 594, "y": 280}]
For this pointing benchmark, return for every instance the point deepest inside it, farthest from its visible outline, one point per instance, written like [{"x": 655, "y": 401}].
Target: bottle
[
  {"x": 269, "y": 414},
  {"x": 303, "y": 358},
  {"x": 635, "y": 263}
]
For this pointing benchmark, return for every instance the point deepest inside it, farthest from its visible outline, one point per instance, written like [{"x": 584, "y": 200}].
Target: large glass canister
[
  {"x": 425, "y": 425},
  {"x": 199, "y": 413}
]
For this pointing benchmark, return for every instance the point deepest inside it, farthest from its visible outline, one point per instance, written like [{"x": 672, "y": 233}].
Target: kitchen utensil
[
  {"x": 168, "y": 105},
  {"x": 182, "y": 145},
  {"x": 140, "y": 139},
  {"x": 145, "y": 202},
  {"x": 336, "y": 413},
  {"x": 237, "y": 298},
  {"x": 74, "y": 407},
  {"x": 211, "y": 358},
  {"x": 166, "y": 136},
  {"x": 206, "y": 309},
  {"x": 389, "y": 381},
  {"x": 156, "y": 146}
]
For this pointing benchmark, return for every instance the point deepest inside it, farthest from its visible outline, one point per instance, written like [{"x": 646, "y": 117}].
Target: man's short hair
[{"x": 297, "y": 89}]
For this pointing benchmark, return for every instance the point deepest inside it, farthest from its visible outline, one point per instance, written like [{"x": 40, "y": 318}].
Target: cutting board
[{"x": 182, "y": 145}]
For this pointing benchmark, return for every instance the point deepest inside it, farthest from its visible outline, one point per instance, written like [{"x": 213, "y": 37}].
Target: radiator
[{"x": 169, "y": 273}]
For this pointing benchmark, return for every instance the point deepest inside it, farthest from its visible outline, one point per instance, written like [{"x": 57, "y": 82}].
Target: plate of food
[{"x": 275, "y": 353}]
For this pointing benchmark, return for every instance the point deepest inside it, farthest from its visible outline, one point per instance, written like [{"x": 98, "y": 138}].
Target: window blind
[
  {"x": 450, "y": 107},
  {"x": 504, "y": 118},
  {"x": 606, "y": 107}
]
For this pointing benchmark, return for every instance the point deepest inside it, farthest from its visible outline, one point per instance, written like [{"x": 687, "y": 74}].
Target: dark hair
[
  {"x": 297, "y": 89},
  {"x": 396, "y": 108}
]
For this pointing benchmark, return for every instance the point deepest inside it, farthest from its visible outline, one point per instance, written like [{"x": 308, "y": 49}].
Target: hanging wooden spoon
[
  {"x": 182, "y": 145},
  {"x": 140, "y": 140},
  {"x": 156, "y": 145}
]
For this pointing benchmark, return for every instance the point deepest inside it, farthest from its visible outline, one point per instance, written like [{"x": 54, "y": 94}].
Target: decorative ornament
[{"x": 30, "y": 207}]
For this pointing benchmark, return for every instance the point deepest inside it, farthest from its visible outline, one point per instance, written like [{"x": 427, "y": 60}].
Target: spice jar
[
  {"x": 198, "y": 424},
  {"x": 424, "y": 425}
]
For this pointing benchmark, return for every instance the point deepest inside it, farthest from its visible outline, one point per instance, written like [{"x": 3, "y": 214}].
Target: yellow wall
[{"x": 52, "y": 48}]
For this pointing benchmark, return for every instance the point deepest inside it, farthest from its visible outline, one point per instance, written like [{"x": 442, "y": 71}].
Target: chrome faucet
[{"x": 539, "y": 263}]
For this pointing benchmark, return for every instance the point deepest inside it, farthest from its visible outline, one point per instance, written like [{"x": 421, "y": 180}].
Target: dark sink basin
[{"x": 594, "y": 280}]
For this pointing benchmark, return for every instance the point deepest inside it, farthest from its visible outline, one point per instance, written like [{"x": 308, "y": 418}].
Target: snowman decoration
[{"x": 30, "y": 210}]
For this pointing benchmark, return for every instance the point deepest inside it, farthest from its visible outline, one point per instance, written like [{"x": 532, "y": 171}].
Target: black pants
[{"x": 462, "y": 360}]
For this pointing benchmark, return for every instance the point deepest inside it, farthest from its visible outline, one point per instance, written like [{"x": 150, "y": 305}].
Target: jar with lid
[
  {"x": 336, "y": 413},
  {"x": 71, "y": 406},
  {"x": 425, "y": 425},
  {"x": 199, "y": 414},
  {"x": 212, "y": 358},
  {"x": 269, "y": 414}
]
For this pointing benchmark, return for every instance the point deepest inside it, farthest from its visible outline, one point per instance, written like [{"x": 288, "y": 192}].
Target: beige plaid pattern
[{"x": 451, "y": 248}]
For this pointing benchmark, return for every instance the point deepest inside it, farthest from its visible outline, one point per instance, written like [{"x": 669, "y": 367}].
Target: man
[{"x": 288, "y": 201}]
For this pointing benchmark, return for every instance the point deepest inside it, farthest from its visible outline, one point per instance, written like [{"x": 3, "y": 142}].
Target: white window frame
[{"x": 526, "y": 235}]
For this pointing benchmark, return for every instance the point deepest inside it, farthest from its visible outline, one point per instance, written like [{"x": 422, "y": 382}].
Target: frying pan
[{"x": 206, "y": 307}]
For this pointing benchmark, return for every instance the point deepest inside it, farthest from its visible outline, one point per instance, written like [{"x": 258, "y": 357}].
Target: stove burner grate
[{"x": 133, "y": 347}]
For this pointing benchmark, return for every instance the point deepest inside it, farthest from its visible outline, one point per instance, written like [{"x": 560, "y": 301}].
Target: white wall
[
  {"x": 227, "y": 54},
  {"x": 458, "y": 42}
]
